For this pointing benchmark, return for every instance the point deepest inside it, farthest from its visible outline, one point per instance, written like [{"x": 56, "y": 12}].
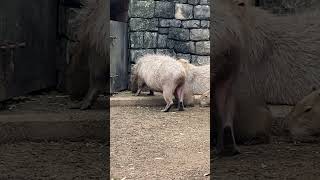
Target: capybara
[
  {"x": 198, "y": 81},
  {"x": 93, "y": 34},
  {"x": 303, "y": 122},
  {"x": 253, "y": 121},
  {"x": 160, "y": 73},
  {"x": 92, "y": 31},
  {"x": 273, "y": 57},
  {"x": 198, "y": 76},
  {"x": 205, "y": 99}
]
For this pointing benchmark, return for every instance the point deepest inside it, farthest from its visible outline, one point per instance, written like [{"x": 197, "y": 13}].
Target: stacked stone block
[{"x": 179, "y": 28}]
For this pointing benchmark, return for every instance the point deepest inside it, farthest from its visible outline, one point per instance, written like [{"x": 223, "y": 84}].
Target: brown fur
[
  {"x": 303, "y": 122},
  {"x": 257, "y": 53},
  {"x": 253, "y": 121},
  {"x": 280, "y": 55},
  {"x": 93, "y": 35}
]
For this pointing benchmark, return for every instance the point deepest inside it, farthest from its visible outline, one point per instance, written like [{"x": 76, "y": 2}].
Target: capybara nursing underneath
[
  {"x": 197, "y": 83},
  {"x": 257, "y": 53},
  {"x": 160, "y": 73}
]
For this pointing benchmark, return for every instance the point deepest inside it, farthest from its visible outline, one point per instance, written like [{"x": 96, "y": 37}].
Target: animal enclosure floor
[
  {"x": 146, "y": 143},
  {"x": 53, "y": 160},
  {"x": 85, "y": 159},
  {"x": 271, "y": 161}
]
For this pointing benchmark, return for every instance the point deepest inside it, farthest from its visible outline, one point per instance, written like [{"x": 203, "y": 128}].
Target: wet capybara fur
[
  {"x": 273, "y": 57},
  {"x": 160, "y": 73},
  {"x": 303, "y": 122}
]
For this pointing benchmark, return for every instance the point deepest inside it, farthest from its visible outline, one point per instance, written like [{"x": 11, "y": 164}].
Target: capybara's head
[
  {"x": 229, "y": 19},
  {"x": 134, "y": 79},
  {"x": 205, "y": 99},
  {"x": 303, "y": 122}
]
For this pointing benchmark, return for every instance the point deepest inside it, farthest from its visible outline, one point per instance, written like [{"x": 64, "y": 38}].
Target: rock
[
  {"x": 191, "y": 24},
  {"x": 164, "y": 9},
  {"x": 184, "y": 47},
  {"x": 169, "y": 23},
  {"x": 179, "y": 34},
  {"x": 136, "y": 40},
  {"x": 143, "y": 9},
  {"x": 150, "y": 39},
  {"x": 202, "y": 12},
  {"x": 199, "y": 34},
  {"x": 140, "y": 24},
  {"x": 205, "y": 24},
  {"x": 183, "y": 11},
  {"x": 202, "y": 48},
  {"x": 162, "y": 41},
  {"x": 134, "y": 54}
]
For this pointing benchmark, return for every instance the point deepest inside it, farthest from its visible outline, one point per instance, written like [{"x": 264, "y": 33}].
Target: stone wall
[{"x": 179, "y": 28}]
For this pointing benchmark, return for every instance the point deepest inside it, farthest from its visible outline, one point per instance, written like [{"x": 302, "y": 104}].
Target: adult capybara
[
  {"x": 93, "y": 47},
  {"x": 198, "y": 76},
  {"x": 205, "y": 99},
  {"x": 198, "y": 80},
  {"x": 273, "y": 57},
  {"x": 160, "y": 73},
  {"x": 303, "y": 122}
]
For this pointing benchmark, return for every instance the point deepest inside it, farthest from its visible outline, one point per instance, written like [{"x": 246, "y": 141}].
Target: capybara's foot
[
  {"x": 180, "y": 106},
  {"x": 151, "y": 93},
  {"x": 167, "y": 108},
  {"x": 85, "y": 105},
  {"x": 75, "y": 106},
  {"x": 228, "y": 146}
]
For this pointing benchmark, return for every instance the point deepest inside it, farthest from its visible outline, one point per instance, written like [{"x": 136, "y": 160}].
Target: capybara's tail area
[{"x": 180, "y": 94}]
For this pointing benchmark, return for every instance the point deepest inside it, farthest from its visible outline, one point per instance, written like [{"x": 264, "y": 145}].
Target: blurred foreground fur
[
  {"x": 260, "y": 56},
  {"x": 91, "y": 26}
]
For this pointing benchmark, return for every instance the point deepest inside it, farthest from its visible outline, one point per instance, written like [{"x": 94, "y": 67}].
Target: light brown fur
[
  {"x": 303, "y": 122},
  {"x": 160, "y": 73}
]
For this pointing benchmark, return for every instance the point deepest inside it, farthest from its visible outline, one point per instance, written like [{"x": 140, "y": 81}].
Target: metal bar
[{"x": 12, "y": 45}]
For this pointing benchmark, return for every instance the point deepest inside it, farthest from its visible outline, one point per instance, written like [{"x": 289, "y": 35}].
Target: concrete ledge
[
  {"x": 50, "y": 127},
  {"x": 127, "y": 99}
]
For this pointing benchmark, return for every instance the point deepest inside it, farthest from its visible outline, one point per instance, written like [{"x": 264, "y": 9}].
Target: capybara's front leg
[{"x": 224, "y": 104}]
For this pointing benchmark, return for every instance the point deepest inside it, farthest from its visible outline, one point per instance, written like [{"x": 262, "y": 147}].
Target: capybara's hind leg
[
  {"x": 180, "y": 94},
  {"x": 151, "y": 93},
  {"x": 90, "y": 98},
  {"x": 168, "y": 97}
]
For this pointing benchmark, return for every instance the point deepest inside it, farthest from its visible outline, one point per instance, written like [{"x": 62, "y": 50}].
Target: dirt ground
[
  {"x": 272, "y": 161},
  {"x": 85, "y": 159},
  {"x": 53, "y": 160},
  {"x": 148, "y": 144}
]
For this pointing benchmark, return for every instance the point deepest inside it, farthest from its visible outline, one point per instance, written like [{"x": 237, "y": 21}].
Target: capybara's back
[
  {"x": 158, "y": 70},
  {"x": 280, "y": 55}
]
